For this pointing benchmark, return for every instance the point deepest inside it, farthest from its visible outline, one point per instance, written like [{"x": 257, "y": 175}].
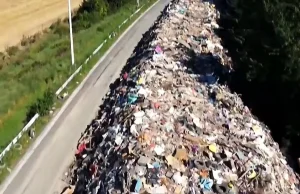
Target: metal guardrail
[
  {"x": 16, "y": 139},
  {"x": 14, "y": 143}
]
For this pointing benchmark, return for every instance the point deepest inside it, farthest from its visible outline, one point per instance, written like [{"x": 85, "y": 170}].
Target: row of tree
[
  {"x": 92, "y": 11},
  {"x": 263, "y": 40}
]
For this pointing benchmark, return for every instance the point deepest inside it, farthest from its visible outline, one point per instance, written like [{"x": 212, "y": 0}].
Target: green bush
[
  {"x": 90, "y": 6},
  {"x": 90, "y": 12},
  {"x": 60, "y": 28},
  {"x": 2, "y": 60},
  {"x": 55, "y": 24},
  {"x": 100, "y": 29},
  {"x": 25, "y": 41},
  {"x": 82, "y": 21},
  {"x": 11, "y": 51},
  {"x": 42, "y": 105}
]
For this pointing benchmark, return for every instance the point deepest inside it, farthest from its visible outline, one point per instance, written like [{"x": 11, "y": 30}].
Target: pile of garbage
[{"x": 168, "y": 126}]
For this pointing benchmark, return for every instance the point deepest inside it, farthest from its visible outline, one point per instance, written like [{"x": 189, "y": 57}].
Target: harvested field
[{"x": 26, "y": 17}]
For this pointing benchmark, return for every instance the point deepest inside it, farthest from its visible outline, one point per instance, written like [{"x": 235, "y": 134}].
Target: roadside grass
[{"x": 46, "y": 63}]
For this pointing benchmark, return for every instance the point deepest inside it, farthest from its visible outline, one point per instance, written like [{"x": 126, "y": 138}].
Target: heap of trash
[{"x": 168, "y": 126}]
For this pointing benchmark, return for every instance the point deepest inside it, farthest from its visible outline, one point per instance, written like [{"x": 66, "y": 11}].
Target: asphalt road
[{"x": 41, "y": 169}]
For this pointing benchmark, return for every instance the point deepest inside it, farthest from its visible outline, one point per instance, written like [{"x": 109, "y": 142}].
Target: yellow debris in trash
[
  {"x": 165, "y": 181},
  {"x": 181, "y": 154},
  {"x": 219, "y": 96},
  {"x": 172, "y": 161},
  {"x": 140, "y": 81},
  {"x": 252, "y": 174},
  {"x": 256, "y": 129},
  {"x": 178, "y": 189},
  {"x": 213, "y": 148}
]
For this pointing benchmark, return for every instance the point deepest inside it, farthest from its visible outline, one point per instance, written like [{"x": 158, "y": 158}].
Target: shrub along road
[{"x": 43, "y": 166}]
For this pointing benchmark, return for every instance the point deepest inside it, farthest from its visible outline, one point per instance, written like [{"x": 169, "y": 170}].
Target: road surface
[{"x": 41, "y": 170}]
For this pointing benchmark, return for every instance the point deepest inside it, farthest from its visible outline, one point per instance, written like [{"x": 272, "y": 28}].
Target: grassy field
[
  {"x": 30, "y": 71},
  {"x": 19, "y": 17}
]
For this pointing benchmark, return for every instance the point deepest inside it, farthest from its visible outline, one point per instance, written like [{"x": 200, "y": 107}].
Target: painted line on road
[{"x": 49, "y": 126}]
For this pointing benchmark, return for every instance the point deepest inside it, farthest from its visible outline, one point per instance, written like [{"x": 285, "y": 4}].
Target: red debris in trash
[
  {"x": 158, "y": 49},
  {"x": 125, "y": 75},
  {"x": 81, "y": 148},
  {"x": 93, "y": 169},
  {"x": 156, "y": 105}
]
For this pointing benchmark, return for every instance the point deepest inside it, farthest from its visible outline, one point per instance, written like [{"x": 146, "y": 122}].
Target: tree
[{"x": 263, "y": 39}]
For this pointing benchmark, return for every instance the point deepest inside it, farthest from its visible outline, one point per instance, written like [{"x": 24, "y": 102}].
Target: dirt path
[{"x": 26, "y": 17}]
